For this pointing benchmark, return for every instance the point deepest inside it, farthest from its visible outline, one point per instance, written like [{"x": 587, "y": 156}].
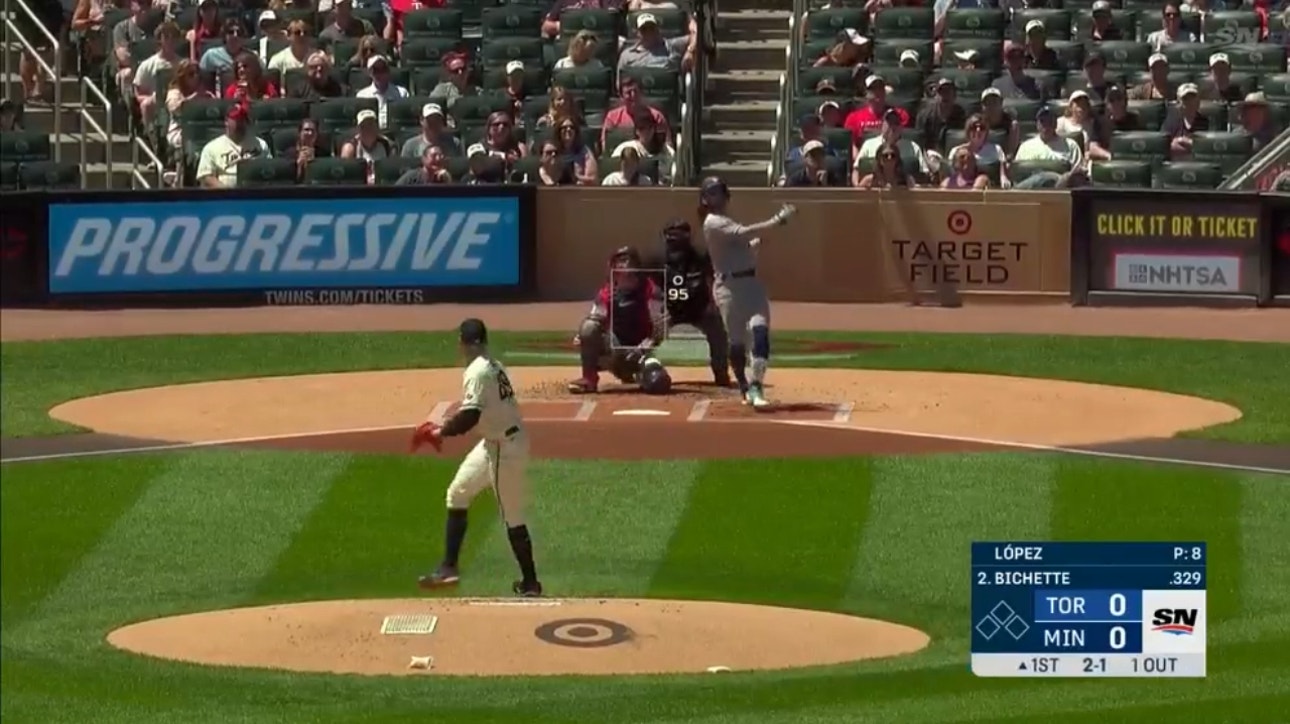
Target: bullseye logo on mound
[
  {"x": 583, "y": 633},
  {"x": 1175, "y": 621},
  {"x": 959, "y": 222}
]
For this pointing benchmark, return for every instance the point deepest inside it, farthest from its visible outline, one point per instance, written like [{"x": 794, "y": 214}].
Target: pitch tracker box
[{"x": 1071, "y": 609}]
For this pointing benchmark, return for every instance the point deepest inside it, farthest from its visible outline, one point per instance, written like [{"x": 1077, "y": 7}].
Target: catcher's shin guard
[{"x": 591, "y": 345}]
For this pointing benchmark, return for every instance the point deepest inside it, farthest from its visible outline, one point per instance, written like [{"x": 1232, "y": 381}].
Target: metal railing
[
  {"x": 55, "y": 72},
  {"x": 695, "y": 83},
  {"x": 137, "y": 178},
  {"x": 87, "y": 89},
  {"x": 1247, "y": 175},
  {"x": 787, "y": 93},
  {"x": 682, "y": 165}
]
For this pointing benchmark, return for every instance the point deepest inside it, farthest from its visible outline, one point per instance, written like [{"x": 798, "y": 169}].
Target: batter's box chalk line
[{"x": 409, "y": 623}]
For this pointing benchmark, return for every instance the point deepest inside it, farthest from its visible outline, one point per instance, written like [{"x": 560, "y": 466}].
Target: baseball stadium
[{"x": 317, "y": 405}]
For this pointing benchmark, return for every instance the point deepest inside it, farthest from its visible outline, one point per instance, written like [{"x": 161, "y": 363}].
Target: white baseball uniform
[{"x": 501, "y": 457}]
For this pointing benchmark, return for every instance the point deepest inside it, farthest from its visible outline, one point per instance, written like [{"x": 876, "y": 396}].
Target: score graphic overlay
[{"x": 1058, "y": 609}]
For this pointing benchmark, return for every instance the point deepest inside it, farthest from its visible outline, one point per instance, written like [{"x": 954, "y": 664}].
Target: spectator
[
  {"x": 271, "y": 29},
  {"x": 1119, "y": 119},
  {"x": 1014, "y": 83},
  {"x": 308, "y": 146},
  {"x": 9, "y": 116},
  {"x": 909, "y": 59},
  {"x": 1047, "y": 145},
  {"x": 217, "y": 166},
  {"x": 938, "y": 117},
  {"x": 555, "y": 170},
  {"x": 1094, "y": 81},
  {"x": 658, "y": 148},
  {"x": 128, "y": 31},
  {"x": 319, "y": 82},
  {"x": 382, "y": 89},
  {"x": 809, "y": 127},
  {"x": 368, "y": 143},
  {"x": 145, "y": 78},
  {"x": 551, "y": 24},
  {"x": 888, "y": 173},
  {"x": 965, "y": 174},
  {"x": 434, "y": 132},
  {"x": 1103, "y": 26},
  {"x": 652, "y": 50},
  {"x": 851, "y": 50},
  {"x": 967, "y": 59},
  {"x": 499, "y": 138},
  {"x": 297, "y": 51},
  {"x": 250, "y": 83},
  {"x": 515, "y": 89},
  {"x": 218, "y": 61},
  {"x": 892, "y": 131},
  {"x": 1203, "y": 8},
  {"x": 632, "y": 101},
  {"x": 1256, "y": 122},
  {"x": 368, "y": 46},
  {"x": 394, "y": 12},
  {"x": 207, "y": 26},
  {"x": 1184, "y": 120},
  {"x": 826, "y": 87},
  {"x": 1172, "y": 31},
  {"x": 984, "y": 151},
  {"x": 51, "y": 16},
  {"x": 185, "y": 85},
  {"x": 997, "y": 118},
  {"x": 831, "y": 115},
  {"x": 562, "y": 105},
  {"x": 88, "y": 33},
  {"x": 344, "y": 24},
  {"x": 1158, "y": 86},
  {"x": 568, "y": 139},
  {"x": 457, "y": 84},
  {"x": 1218, "y": 86},
  {"x": 1038, "y": 54},
  {"x": 1081, "y": 121},
  {"x": 485, "y": 168},
  {"x": 629, "y": 173},
  {"x": 813, "y": 168},
  {"x": 872, "y": 114},
  {"x": 430, "y": 172},
  {"x": 581, "y": 53}
]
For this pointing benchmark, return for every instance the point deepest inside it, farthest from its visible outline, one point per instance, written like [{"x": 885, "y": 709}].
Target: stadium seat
[
  {"x": 826, "y": 24},
  {"x": 374, "y": 15},
  {"x": 1150, "y": 20},
  {"x": 1150, "y": 146},
  {"x": 1188, "y": 175},
  {"x": 423, "y": 51},
  {"x": 497, "y": 52},
  {"x": 1050, "y": 82},
  {"x": 1228, "y": 150},
  {"x": 266, "y": 172},
  {"x": 887, "y": 52},
  {"x": 969, "y": 83},
  {"x": 671, "y": 23},
  {"x": 9, "y": 176},
  {"x": 592, "y": 87},
  {"x": 604, "y": 23},
  {"x": 343, "y": 50},
  {"x": 1126, "y": 21},
  {"x": 471, "y": 10},
  {"x": 141, "y": 49},
  {"x": 1189, "y": 56},
  {"x": 989, "y": 52},
  {"x": 812, "y": 50},
  {"x": 25, "y": 147},
  {"x": 536, "y": 80},
  {"x": 1123, "y": 55},
  {"x": 511, "y": 21},
  {"x": 282, "y": 140},
  {"x": 838, "y": 139},
  {"x": 904, "y": 82},
  {"x": 388, "y": 170},
  {"x": 957, "y": 137},
  {"x": 660, "y": 85},
  {"x": 1277, "y": 87},
  {"x": 811, "y": 103},
  {"x": 200, "y": 120},
  {"x": 1261, "y": 58},
  {"x": 1123, "y": 174},
  {"x": 272, "y": 113},
  {"x": 336, "y": 172},
  {"x": 1021, "y": 170},
  {"x": 915, "y": 23},
  {"x": 1024, "y": 110},
  {"x": 406, "y": 112},
  {"x": 1227, "y": 27},
  {"x": 841, "y": 77},
  {"x": 335, "y": 114},
  {"x": 1216, "y": 112},
  {"x": 50, "y": 175},
  {"x": 1070, "y": 54},
  {"x": 475, "y": 110},
  {"x": 1151, "y": 112},
  {"x": 1057, "y": 23},
  {"x": 432, "y": 23},
  {"x": 976, "y": 23}
]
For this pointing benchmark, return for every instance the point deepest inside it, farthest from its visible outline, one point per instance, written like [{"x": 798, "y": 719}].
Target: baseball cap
[
  {"x": 910, "y": 55},
  {"x": 967, "y": 56},
  {"x": 431, "y": 109},
  {"x": 1101, "y": 5},
  {"x": 988, "y": 92},
  {"x": 1116, "y": 92},
  {"x": 855, "y": 37},
  {"x": 1077, "y": 95},
  {"x": 625, "y": 145},
  {"x": 828, "y": 104},
  {"x": 238, "y": 112},
  {"x": 873, "y": 80},
  {"x": 1035, "y": 25},
  {"x": 1157, "y": 58},
  {"x": 812, "y": 146},
  {"x": 1010, "y": 47},
  {"x": 1187, "y": 89},
  {"x": 826, "y": 85},
  {"x": 514, "y": 65},
  {"x": 377, "y": 58},
  {"x": 472, "y": 331},
  {"x": 1043, "y": 112},
  {"x": 944, "y": 83},
  {"x": 367, "y": 114},
  {"x": 476, "y": 149},
  {"x": 1257, "y": 98},
  {"x": 646, "y": 19},
  {"x": 891, "y": 114},
  {"x": 1217, "y": 58},
  {"x": 267, "y": 15}
]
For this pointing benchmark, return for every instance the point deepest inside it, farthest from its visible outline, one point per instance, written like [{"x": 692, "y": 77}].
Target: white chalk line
[
  {"x": 585, "y": 411},
  {"x": 699, "y": 411},
  {"x": 843, "y": 412}
]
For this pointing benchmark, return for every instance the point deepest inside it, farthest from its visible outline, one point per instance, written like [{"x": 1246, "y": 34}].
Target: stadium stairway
[
  {"x": 66, "y": 145},
  {"x": 743, "y": 89}
]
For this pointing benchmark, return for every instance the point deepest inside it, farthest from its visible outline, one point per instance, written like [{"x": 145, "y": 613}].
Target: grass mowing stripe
[
  {"x": 378, "y": 527},
  {"x": 599, "y": 528},
  {"x": 201, "y": 536},
  {"x": 1117, "y": 501},
  {"x": 53, "y": 513},
  {"x": 915, "y": 555},
  {"x": 777, "y": 531},
  {"x": 1265, "y": 560}
]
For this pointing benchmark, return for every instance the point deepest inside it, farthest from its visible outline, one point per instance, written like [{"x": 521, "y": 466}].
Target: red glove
[{"x": 427, "y": 433}]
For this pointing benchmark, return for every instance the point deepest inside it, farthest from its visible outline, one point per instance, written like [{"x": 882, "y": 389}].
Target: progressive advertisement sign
[{"x": 290, "y": 250}]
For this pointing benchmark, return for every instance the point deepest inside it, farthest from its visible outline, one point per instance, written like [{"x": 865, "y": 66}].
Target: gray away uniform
[{"x": 740, "y": 296}]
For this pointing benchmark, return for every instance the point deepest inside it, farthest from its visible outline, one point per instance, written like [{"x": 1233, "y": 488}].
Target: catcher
[{"x": 625, "y": 325}]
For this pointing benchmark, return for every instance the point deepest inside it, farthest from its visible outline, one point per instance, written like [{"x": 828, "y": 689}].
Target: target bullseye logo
[
  {"x": 959, "y": 222},
  {"x": 583, "y": 633}
]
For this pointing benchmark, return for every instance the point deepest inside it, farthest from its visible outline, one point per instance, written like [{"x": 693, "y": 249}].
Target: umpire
[{"x": 689, "y": 295}]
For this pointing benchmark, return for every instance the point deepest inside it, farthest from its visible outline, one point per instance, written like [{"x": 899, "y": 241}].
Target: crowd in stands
[
  {"x": 262, "y": 92},
  {"x": 1036, "y": 93}
]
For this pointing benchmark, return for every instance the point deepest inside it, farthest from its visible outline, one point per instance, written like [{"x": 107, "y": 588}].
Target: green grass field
[{"x": 90, "y": 544}]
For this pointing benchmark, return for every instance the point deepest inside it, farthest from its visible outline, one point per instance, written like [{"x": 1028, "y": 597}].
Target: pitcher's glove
[{"x": 427, "y": 433}]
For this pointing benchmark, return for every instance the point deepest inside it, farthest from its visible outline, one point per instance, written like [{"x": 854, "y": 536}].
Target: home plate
[{"x": 642, "y": 413}]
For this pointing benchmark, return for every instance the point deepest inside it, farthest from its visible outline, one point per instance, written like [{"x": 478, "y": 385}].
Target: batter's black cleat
[
  {"x": 721, "y": 379},
  {"x": 443, "y": 577},
  {"x": 527, "y": 589}
]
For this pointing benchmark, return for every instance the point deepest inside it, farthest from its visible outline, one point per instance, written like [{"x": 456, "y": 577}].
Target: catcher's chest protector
[{"x": 629, "y": 316}]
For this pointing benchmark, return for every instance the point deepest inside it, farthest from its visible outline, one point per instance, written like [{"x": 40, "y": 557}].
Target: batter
[
  {"x": 499, "y": 460},
  {"x": 740, "y": 296}
]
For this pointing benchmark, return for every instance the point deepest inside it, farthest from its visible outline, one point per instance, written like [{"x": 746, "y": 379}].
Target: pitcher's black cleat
[{"x": 527, "y": 589}]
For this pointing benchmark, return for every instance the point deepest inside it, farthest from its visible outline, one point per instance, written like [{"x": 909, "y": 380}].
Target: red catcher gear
[{"x": 628, "y": 311}]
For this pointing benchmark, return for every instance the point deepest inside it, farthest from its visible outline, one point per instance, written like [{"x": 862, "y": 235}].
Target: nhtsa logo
[{"x": 336, "y": 297}]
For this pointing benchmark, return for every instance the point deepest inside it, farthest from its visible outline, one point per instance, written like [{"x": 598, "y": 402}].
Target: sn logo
[{"x": 1176, "y": 621}]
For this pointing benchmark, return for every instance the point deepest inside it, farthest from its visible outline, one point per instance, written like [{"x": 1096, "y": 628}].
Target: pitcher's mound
[{"x": 507, "y": 637}]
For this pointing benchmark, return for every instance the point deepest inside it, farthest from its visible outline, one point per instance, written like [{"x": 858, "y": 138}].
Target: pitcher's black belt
[
  {"x": 511, "y": 432},
  {"x": 745, "y": 274}
]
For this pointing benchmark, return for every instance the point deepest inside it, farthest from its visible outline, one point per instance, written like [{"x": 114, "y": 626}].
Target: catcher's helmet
[
  {"x": 654, "y": 379},
  {"x": 713, "y": 187},
  {"x": 676, "y": 231}
]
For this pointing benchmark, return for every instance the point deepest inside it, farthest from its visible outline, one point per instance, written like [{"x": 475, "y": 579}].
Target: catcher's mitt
[{"x": 427, "y": 433}]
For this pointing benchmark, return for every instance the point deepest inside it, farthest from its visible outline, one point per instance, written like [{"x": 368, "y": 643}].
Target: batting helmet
[
  {"x": 713, "y": 187},
  {"x": 654, "y": 378}
]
